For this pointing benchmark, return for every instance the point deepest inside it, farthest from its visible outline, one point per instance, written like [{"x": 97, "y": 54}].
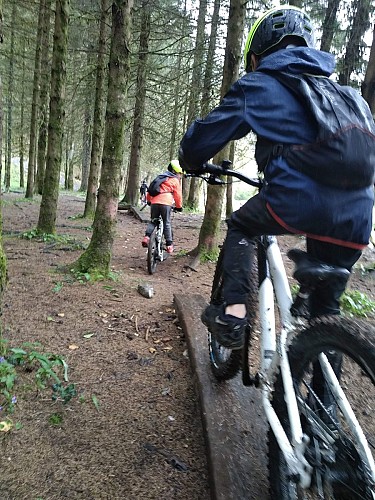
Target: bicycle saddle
[{"x": 310, "y": 271}]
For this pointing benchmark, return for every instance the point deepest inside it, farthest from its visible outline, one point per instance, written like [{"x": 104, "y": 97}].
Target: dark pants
[
  {"x": 253, "y": 219},
  {"x": 165, "y": 211}
]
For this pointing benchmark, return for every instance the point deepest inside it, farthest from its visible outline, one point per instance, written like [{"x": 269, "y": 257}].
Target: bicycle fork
[{"x": 273, "y": 353}]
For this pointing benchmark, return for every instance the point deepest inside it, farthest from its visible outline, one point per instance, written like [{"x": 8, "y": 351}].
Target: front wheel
[
  {"x": 152, "y": 253},
  {"x": 343, "y": 465}
]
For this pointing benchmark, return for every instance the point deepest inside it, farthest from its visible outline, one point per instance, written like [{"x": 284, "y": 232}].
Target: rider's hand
[
  {"x": 187, "y": 167},
  {"x": 195, "y": 171},
  {"x": 178, "y": 209},
  {"x": 149, "y": 203}
]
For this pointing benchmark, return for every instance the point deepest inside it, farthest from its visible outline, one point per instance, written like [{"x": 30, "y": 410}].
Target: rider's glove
[
  {"x": 188, "y": 168},
  {"x": 149, "y": 203},
  {"x": 178, "y": 209}
]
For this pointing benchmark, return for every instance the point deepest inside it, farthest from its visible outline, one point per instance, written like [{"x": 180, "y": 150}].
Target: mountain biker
[
  {"x": 161, "y": 204},
  {"x": 143, "y": 190},
  {"x": 336, "y": 222}
]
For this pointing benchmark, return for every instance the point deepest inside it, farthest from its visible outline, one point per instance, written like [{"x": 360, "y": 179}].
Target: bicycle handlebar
[{"x": 215, "y": 171}]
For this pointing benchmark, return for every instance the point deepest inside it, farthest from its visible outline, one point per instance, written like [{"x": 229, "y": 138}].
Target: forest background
[
  {"x": 96, "y": 95},
  {"x": 99, "y": 94}
]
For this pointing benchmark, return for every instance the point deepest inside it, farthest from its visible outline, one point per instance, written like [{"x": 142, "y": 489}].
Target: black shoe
[{"x": 228, "y": 330}]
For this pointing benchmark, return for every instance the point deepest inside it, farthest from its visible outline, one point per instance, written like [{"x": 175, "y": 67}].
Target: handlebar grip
[{"x": 210, "y": 168}]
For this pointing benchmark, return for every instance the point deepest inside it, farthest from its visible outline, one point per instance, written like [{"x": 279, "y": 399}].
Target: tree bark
[
  {"x": 10, "y": 99},
  {"x": 188, "y": 188},
  {"x": 22, "y": 120},
  {"x": 69, "y": 182},
  {"x": 359, "y": 27},
  {"x": 207, "y": 81},
  {"x": 133, "y": 182},
  {"x": 329, "y": 25},
  {"x": 208, "y": 236},
  {"x": 368, "y": 85},
  {"x": 99, "y": 111},
  {"x": 195, "y": 183},
  {"x": 96, "y": 259},
  {"x": 86, "y": 145},
  {"x": 48, "y": 206},
  {"x": 43, "y": 99},
  {"x": 229, "y": 192},
  {"x": 3, "y": 261},
  {"x": 177, "y": 88},
  {"x": 34, "y": 105}
]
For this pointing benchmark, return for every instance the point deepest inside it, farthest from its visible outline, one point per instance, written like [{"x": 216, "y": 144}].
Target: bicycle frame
[
  {"x": 273, "y": 282},
  {"x": 273, "y": 279},
  {"x": 155, "y": 251},
  {"x": 159, "y": 237},
  {"x": 273, "y": 287}
]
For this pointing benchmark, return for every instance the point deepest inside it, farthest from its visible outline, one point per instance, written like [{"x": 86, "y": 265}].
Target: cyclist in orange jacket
[{"x": 161, "y": 204}]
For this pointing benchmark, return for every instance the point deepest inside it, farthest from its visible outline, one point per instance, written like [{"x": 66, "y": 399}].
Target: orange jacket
[{"x": 170, "y": 192}]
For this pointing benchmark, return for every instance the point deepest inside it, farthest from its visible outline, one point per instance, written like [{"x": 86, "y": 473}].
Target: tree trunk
[
  {"x": 86, "y": 130},
  {"x": 99, "y": 111},
  {"x": 69, "y": 182},
  {"x": 34, "y": 105},
  {"x": 188, "y": 188},
  {"x": 368, "y": 85},
  {"x": 3, "y": 261},
  {"x": 48, "y": 206},
  {"x": 329, "y": 25},
  {"x": 43, "y": 99},
  {"x": 353, "y": 52},
  {"x": 177, "y": 87},
  {"x": 22, "y": 120},
  {"x": 10, "y": 99},
  {"x": 86, "y": 146},
  {"x": 96, "y": 259},
  {"x": 212, "y": 218},
  {"x": 207, "y": 81},
  {"x": 133, "y": 181},
  {"x": 195, "y": 183},
  {"x": 1, "y": 113},
  {"x": 229, "y": 198}
]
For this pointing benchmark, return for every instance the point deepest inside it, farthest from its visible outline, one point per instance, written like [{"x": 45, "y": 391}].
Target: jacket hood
[{"x": 299, "y": 60}]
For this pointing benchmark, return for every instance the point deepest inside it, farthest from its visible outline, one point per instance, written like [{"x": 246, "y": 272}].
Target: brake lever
[
  {"x": 215, "y": 181},
  {"x": 212, "y": 179}
]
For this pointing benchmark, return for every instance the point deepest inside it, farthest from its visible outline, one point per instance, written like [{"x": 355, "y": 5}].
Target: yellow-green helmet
[
  {"x": 174, "y": 167},
  {"x": 273, "y": 26}
]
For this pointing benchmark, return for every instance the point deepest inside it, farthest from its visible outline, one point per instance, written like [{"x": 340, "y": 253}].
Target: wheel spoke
[{"x": 337, "y": 419}]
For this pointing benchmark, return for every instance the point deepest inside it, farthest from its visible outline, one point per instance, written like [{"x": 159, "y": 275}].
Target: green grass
[
  {"x": 352, "y": 303},
  {"x": 358, "y": 304},
  {"x": 210, "y": 256}
]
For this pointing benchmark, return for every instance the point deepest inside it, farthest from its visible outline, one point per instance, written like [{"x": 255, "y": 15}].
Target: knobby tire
[
  {"x": 339, "y": 471},
  {"x": 152, "y": 253}
]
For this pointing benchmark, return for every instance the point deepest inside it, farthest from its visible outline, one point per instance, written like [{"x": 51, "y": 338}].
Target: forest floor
[{"x": 133, "y": 430}]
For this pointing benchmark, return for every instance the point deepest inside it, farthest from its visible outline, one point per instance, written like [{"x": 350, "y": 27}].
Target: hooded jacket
[
  {"x": 260, "y": 103},
  {"x": 170, "y": 192}
]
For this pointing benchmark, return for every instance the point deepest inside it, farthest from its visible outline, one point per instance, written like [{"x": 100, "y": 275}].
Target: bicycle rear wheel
[
  {"x": 152, "y": 253},
  {"x": 342, "y": 470},
  {"x": 226, "y": 363}
]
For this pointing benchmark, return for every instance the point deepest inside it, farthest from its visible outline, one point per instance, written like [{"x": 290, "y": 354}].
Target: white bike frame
[
  {"x": 160, "y": 231},
  {"x": 275, "y": 288}
]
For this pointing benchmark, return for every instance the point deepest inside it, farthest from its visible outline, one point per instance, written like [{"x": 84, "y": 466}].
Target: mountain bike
[
  {"x": 156, "y": 245},
  {"x": 319, "y": 447}
]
